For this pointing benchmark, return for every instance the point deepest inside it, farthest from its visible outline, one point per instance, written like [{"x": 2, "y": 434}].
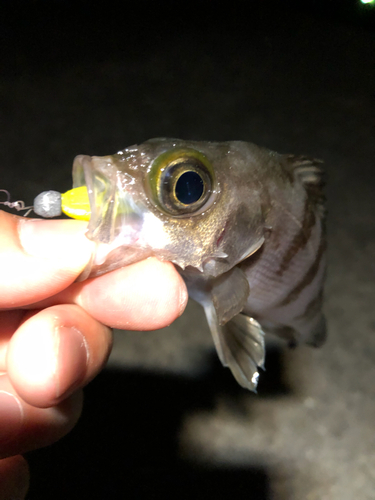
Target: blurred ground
[{"x": 165, "y": 420}]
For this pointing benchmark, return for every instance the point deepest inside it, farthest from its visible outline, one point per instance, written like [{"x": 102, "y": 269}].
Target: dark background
[{"x": 297, "y": 77}]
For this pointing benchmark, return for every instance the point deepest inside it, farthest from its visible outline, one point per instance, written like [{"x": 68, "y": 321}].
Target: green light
[{"x": 367, "y": 1}]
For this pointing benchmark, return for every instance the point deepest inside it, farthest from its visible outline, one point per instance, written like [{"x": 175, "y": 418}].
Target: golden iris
[{"x": 181, "y": 181}]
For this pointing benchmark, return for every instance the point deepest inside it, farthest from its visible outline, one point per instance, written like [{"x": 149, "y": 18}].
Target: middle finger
[
  {"x": 147, "y": 295},
  {"x": 55, "y": 351}
]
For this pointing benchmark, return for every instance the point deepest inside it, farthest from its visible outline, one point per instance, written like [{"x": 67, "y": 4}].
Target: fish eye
[
  {"x": 181, "y": 181},
  {"x": 189, "y": 187}
]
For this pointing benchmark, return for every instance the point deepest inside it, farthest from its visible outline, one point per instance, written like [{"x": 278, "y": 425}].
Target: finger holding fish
[
  {"x": 55, "y": 351},
  {"x": 39, "y": 258},
  {"x": 24, "y": 427},
  {"x": 50, "y": 351},
  {"x": 146, "y": 295},
  {"x": 42, "y": 370}
]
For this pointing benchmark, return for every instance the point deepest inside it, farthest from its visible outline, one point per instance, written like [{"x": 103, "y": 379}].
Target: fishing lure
[
  {"x": 243, "y": 225},
  {"x": 48, "y": 204}
]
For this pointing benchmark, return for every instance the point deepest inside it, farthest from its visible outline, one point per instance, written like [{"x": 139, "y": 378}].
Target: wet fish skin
[
  {"x": 287, "y": 276},
  {"x": 253, "y": 257}
]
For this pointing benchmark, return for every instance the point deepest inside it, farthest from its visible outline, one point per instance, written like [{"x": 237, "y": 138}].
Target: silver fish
[{"x": 243, "y": 225}]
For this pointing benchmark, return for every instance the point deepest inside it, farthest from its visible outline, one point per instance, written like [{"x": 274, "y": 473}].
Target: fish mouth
[{"x": 116, "y": 221}]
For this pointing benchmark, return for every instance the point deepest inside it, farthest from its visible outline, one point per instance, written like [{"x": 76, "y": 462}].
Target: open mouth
[{"x": 116, "y": 221}]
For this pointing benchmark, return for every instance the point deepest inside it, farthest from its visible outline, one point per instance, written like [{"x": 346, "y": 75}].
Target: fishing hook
[{"x": 17, "y": 205}]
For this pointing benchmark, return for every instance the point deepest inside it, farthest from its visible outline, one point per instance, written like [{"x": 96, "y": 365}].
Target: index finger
[
  {"x": 143, "y": 296},
  {"x": 39, "y": 258}
]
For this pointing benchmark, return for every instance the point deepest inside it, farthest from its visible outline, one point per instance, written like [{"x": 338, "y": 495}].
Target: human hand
[{"x": 53, "y": 338}]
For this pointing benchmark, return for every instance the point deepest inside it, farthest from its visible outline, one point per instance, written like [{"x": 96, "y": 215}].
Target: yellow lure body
[{"x": 75, "y": 203}]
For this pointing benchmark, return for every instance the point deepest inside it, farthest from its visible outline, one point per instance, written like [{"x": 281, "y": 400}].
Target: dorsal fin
[{"x": 310, "y": 172}]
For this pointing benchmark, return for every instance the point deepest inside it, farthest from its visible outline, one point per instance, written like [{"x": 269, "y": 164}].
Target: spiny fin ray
[{"x": 311, "y": 174}]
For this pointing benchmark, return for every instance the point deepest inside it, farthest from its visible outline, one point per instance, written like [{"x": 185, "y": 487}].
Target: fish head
[{"x": 191, "y": 203}]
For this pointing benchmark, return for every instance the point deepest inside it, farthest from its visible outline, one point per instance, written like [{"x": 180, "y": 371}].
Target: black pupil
[{"x": 189, "y": 188}]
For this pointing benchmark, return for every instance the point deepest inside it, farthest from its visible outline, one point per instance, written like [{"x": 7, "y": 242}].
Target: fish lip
[
  {"x": 117, "y": 222},
  {"x": 83, "y": 176},
  {"x": 112, "y": 206}
]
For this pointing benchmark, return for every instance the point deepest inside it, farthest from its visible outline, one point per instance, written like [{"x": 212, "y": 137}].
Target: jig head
[{"x": 74, "y": 203}]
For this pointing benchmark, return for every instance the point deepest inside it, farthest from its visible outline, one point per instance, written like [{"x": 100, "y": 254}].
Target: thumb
[{"x": 39, "y": 258}]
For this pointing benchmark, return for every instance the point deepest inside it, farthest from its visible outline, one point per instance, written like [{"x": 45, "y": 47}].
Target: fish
[{"x": 243, "y": 225}]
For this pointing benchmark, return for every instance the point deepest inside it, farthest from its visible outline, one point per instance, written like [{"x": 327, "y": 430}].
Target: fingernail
[
  {"x": 57, "y": 239},
  {"x": 11, "y": 417},
  {"x": 72, "y": 360}
]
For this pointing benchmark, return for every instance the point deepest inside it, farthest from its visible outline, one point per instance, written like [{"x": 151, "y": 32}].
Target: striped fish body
[
  {"x": 243, "y": 225},
  {"x": 286, "y": 275}
]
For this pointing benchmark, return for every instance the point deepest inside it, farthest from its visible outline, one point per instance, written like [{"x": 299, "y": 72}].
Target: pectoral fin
[
  {"x": 240, "y": 346},
  {"x": 229, "y": 294},
  {"x": 239, "y": 340}
]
